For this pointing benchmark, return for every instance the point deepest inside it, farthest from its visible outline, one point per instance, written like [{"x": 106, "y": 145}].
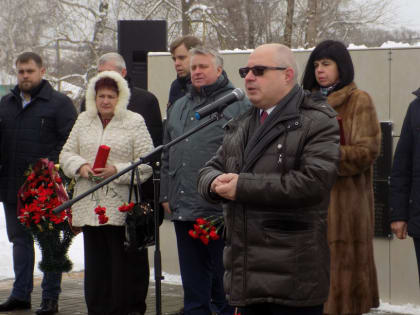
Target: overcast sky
[{"x": 408, "y": 13}]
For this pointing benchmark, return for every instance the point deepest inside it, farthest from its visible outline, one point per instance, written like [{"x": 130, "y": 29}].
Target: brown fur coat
[{"x": 353, "y": 284}]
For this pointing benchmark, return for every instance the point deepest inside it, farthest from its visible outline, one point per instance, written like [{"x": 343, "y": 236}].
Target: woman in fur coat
[
  {"x": 353, "y": 280},
  {"x": 112, "y": 284}
]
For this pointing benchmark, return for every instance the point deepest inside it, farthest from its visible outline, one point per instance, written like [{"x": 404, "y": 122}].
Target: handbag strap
[{"x": 138, "y": 192}]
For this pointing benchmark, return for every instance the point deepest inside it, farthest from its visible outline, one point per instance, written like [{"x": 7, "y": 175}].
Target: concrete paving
[{"x": 72, "y": 300}]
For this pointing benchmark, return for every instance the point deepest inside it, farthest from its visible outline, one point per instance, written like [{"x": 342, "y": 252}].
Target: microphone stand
[{"x": 151, "y": 158}]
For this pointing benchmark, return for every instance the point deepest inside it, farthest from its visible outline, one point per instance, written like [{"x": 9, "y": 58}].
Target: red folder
[
  {"x": 101, "y": 157},
  {"x": 340, "y": 124}
]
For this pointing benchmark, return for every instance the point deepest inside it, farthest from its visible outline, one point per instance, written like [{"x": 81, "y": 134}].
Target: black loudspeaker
[
  {"x": 135, "y": 40},
  {"x": 381, "y": 175}
]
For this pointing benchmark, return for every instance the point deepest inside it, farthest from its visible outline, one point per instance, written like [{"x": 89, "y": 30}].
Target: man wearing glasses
[{"x": 273, "y": 175}]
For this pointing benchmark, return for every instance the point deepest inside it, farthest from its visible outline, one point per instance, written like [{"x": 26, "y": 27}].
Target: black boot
[
  {"x": 48, "y": 307},
  {"x": 14, "y": 304}
]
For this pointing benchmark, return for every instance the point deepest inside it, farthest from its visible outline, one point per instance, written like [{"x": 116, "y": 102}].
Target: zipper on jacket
[
  {"x": 283, "y": 154},
  {"x": 42, "y": 122},
  {"x": 245, "y": 255}
]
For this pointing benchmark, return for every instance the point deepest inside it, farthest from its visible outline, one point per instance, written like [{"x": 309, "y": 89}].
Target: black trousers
[
  {"x": 417, "y": 248},
  {"x": 116, "y": 282},
  {"x": 277, "y": 309}
]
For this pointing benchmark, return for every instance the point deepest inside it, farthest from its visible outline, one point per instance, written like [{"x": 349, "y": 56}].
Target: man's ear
[
  {"x": 219, "y": 71},
  {"x": 290, "y": 74},
  {"x": 43, "y": 70},
  {"x": 123, "y": 72}
]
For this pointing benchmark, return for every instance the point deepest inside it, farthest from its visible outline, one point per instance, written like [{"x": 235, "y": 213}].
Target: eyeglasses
[{"x": 257, "y": 70}]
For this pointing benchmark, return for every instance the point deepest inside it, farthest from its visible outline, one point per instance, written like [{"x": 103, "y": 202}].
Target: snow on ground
[{"x": 409, "y": 309}]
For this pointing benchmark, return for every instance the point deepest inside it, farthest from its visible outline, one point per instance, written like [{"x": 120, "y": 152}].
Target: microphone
[{"x": 220, "y": 104}]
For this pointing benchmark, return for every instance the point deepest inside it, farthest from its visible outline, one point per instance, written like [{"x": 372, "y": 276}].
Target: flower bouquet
[
  {"x": 41, "y": 193},
  {"x": 207, "y": 229}
]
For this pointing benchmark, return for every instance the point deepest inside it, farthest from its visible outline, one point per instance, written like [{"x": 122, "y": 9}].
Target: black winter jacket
[
  {"x": 405, "y": 174},
  {"x": 178, "y": 89},
  {"x": 276, "y": 230},
  {"x": 26, "y": 134}
]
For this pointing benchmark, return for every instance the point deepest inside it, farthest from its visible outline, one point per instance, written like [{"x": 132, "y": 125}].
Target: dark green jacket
[
  {"x": 180, "y": 164},
  {"x": 276, "y": 230}
]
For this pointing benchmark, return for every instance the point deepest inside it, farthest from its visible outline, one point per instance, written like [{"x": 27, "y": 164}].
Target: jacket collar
[
  {"x": 285, "y": 117},
  {"x": 184, "y": 81},
  {"x": 288, "y": 107},
  {"x": 417, "y": 92},
  {"x": 208, "y": 90},
  {"x": 43, "y": 90},
  {"x": 339, "y": 97}
]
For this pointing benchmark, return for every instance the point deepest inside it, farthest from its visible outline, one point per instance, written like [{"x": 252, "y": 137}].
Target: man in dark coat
[
  {"x": 179, "y": 49},
  {"x": 201, "y": 265},
  {"x": 405, "y": 179},
  {"x": 35, "y": 121},
  {"x": 273, "y": 174}
]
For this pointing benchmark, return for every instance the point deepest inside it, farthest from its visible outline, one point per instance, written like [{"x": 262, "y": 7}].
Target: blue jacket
[
  {"x": 180, "y": 164},
  {"x": 405, "y": 175}
]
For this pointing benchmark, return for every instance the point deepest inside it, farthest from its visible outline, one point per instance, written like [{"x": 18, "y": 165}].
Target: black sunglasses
[{"x": 257, "y": 70}]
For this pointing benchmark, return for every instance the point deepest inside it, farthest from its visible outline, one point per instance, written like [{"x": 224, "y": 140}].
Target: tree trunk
[
  {"x": 249, "y": 6},
  {"x": 287, "y": 40},
  {"x": 186, "y": 22},
  {"x": 311, "y": 24}
]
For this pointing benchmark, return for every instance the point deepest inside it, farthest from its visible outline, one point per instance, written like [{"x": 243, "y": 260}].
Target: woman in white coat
[{"x": 112, "y": 282}]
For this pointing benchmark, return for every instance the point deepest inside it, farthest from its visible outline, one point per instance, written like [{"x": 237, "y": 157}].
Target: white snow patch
[
  {"x": 353, "y": 46},
  {"x": 409, "y": 309},
  {"x": 391, "y": 44},
  {"x": 168, "y": 278}
]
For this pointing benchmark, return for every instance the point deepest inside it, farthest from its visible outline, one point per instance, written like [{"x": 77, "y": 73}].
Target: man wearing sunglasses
[{"x": 273, "y": 175}]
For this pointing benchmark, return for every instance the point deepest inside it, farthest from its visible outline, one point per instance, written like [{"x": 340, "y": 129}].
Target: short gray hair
[
  {"x": 201, "y": 50},
  {"x": 113, "y": 56}
]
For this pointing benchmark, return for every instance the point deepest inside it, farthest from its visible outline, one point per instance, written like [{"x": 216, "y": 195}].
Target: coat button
[{"x": 279, "y": 146}]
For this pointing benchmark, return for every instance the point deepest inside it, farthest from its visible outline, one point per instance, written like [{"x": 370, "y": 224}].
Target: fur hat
[
  {"x": 334, "y": 50},
  {"x": 123, "y": 93}
]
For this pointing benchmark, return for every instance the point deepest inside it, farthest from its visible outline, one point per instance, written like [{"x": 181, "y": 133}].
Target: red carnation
[
  {"x": 103, "y": 219},
  {"x": 200, "y": 221},
  {"x": 214, "y": 236},
  {"x": 204, "y": 239},
  {"x": 100, "y": 210},
  {"x": 193, "y": 233}
]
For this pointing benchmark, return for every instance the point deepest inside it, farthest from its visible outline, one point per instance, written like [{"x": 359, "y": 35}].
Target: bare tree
[
  {"x": 287, "y": 38},
  {"x": 311, "y": 23}
]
